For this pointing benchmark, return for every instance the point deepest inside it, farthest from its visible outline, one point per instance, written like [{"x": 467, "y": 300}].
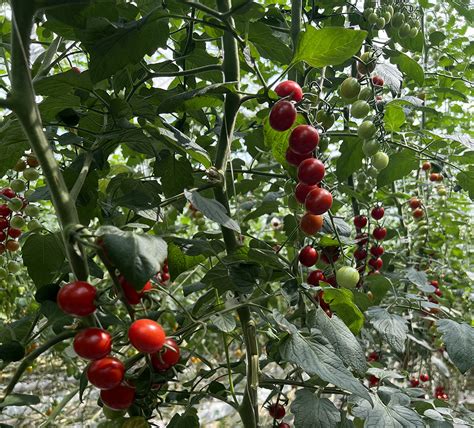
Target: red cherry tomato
[
  {"x": 308, "y": 256},
  {"x": 376, "y": 264},
  {"x": 167, "y": 357},
  {"x": 304, "y": 139},
  {"x": 434, "y": 283},
  {"x": 14, "y": 233},
  {"x": 277, "y": 411},
  {"x": 289, "y": 87},
  {"x": 360, "y": 254},
  {"x": 283, "y": 425},
  {"x": 294, "y": 158},
  {"x": 4, "y": 223},
  {"x": 310, "y": 224},
  {"x": 377, "y": 81},
  {"x": 373, "y": 380},
  {"x": 362, "y": 238},
  {"x": 311, "y": 171},
  {"x": 12, "y": 245},
  {"x": 77, "y": 298},
  {"x": 106, "y": 373},
  {"x": 377, "y": 213},
  {"x": 5, "y": 211},
  {"x": 414, "y": 203},
  {"x": 133, "y": 296},
  {"x": 118, "y": 398},
  {"x": 315, "y": 276},
  {"x": 373, "y": 356},
  {"x": 424, "y": 377},
  {"x": 302, "y": 190},
  {"x": 3, "y": 235},
  {"x": 318, "y": 201},
  {"x": 414, "y": 382},
  {"x": 360, "y": 221},
  {"x": 379, "y": 233},
  {"x": 9, "y": 193},
  {"x": 146, "y": 336},
  {"x": 426, "y": 166},
  {"x": 438, "y": 292},
  {"x": 376, "y": 250},
  {"x": 418, "y": 213},
  {"x": 282, "y": 115},
  {"x": 92, "y": 343}
]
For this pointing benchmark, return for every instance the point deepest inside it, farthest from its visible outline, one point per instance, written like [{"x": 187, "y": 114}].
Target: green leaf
[
  {"x": 313, "y": 412},
  {"x": 400, "y": 165},
  {"x": 268, "y": 45},
  {"x": 328, "y": 46},
  {"x": 212, "y": 209},
  {"x": 394, "y": 117},
  {"x": 134, "y": 194},
  {"x": 466, "y": 180},
  {"x": 12, "y": 351},
  {"x": 464, "y": 7},
  {"x": 459, "y": 340},
  {"x": 341, "y": 338},
  {"x": 13, "y": 144},
  {"x": 392, "y": 416},
  {"x": 316, "y": 356},
  {"x": 393, "y": 328},
  {"x": 341, "y": 301},
  {"x": 188, "y": 419},
  {"x": 407, "y": 65},
  {"x": 19, "y": 400},
  {"x": 114, "y": 46},
  {"x": 178, "y": 262},
  {"x": 350, "y": 159},
  {"x": 224, "y": 322},
  {"x": 137, "y": 257},
  {"x": 176, "y": 174},
  {"x": 44, "y": 257},
  {"x": 379, "y": 286},
  {"x": 437, "y": 37}
]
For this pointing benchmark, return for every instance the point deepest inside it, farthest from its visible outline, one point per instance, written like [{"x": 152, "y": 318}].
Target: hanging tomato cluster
[{"x": 105, "y": 371}]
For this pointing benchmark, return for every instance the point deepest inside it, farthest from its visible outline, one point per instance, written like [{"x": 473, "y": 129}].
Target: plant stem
[
  {"x": 23, "y": 103},
  {"x": 249, "y": 407},
  {"x": 296, "y": 15}
]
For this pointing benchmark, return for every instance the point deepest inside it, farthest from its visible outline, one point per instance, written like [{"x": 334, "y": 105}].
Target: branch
[{"x": 76, "y": 189}]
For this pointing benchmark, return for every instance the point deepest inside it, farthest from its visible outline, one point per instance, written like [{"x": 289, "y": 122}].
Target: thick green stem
[
  {"x": 23, "y": 103},
  {"x": 296, "y": 16},
  {"x": 249, "y": 407}
]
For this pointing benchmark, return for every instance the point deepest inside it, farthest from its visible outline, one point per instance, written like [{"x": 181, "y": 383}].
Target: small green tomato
[
  {"x": 380, "y": 160},
  {"x": 13, "y": 267},
  {"x": 34, "y": 225},
  {"x": 370, "y": 147},
  {"x": 366, "y": 130},
  {"x": 347, "y": 277},
  {"x": 30, "y": 174},
  {"x": 15, "y": 204},
  {"x": 18, "y": 185},
  {"x": 17, "y": 222}
]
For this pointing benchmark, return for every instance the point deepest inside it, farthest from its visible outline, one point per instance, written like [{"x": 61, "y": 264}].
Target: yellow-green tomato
[
  {"x": 347, "y": 277},
  {"x": 360, "y": 109},
  {"x": 380, "y": 160},
  {"x": 366, "y": 130},
  {"x": 370, "y": 147}
]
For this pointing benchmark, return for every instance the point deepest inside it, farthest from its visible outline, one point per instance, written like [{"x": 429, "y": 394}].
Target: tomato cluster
[{"x": 416, "y": 206}]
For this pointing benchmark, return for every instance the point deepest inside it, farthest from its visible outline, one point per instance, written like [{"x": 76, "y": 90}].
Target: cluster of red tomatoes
[
  {"x": 277, "y": 411},
  {"x": 437, "y": 292},
  {"x": 414, "y": 382},
  {"x": 416, "y": 207},
  {"x": 376, "y": 250},
  {"x": 95, "y": 344},
  {"x": 303, "y": 141},
  {"x": 434, "y": 176}
]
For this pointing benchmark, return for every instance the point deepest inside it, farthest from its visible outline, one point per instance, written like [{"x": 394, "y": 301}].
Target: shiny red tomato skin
[
  {"x": 379, "y": 233},
  {"x": 362, "y": 238},
  {"x": 377, "y": 81},
  {"x": 426, "y": 166},
  {"x": 360, "y": 254},
  {"x": 424, "y": 377},
  {"x": 289, "y": 87},
  {"x": 9, "y": 193},
  {"x": 4, "y": 223},
  {"x": 77, "y": 298},
  {"x": 310, "y": 224},
  {"x": 308, "y": 256},
  {"x": 302, "y": 190},
  {"x": 14, "y": 233},
  {"x": 146, "y": 336},
  {"x": 360, "y": 221},
  {"x": 118, "y": 398},
  {"x": 377, "y": 213},
  {"x": 277, "y": 411},
  {"x": 376, "y": 264},
  {"x": 418, "y": 213},
  {"x": 133, "y": 296},
  {"x": 92, "y": 343},
  {"x": 282, "y": 116},
  {"x": 283, "y": 425},
  {"x": 318, "y": 201},
  {"x": 294, "y": 158},
  {"x": 414, "y": 203},
  {"x": 376, "y": 251},
  {"x": 106, "y": 373},
  {"x": 414, "y": 382},
  {"x": 167, "y": 358},
  {"x": 434, "y": 283},
  {"x": 311, "y": 171},
  {"x": 315, "y": 276},
  {"x": 304, "y": 139},
  {"x": 5, "y": 211}
]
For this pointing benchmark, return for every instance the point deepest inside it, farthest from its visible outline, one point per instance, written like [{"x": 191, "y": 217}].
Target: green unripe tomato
[
  {"x": 18, "y": 185},
  {"x": 440, "y": 22},
  {"x": 372, "y": 18},
  {"x": 404, "y": 31},
  {"x": 413, "y": 32},
  {"x": 387, "y": 16},
  {"x": 34, "y": 225},
  {"x": 366, "y": 130},
  {"x": 361, "y": 187},
  {"x": 30, "y": 174},
  {"x": 113, "y": 414},
  {"x": 360, "y": 109},
  {"x": 441, "y": 190},
  {"x": 350, "y": 88},
  {"x": 380, "y": 23},
  {"x": 370, "y": 147},
  {"x": 368, "y": 62},
  {"x": 372, "y": 172},
  {"x": 11, "y": 279},
  {"x": 397, "y": 19},
  {"x": 380, "y": 160},
  {"x": 13, "y": 267},
  {"x": 32, "y": 210},
  {"x": 366, "y": 93},
  {"x": 429, "y": 18},
  {"x": 15, "y": 204},
  {"x": 17, "y": 222},
  {"x": 28, "y": 193},
  {"x": 3, "y": 273},
  {"x": 347, "y": 277},
  {"x": 390, "y": 9},
  {"x": 368, "y": 11},
  {"x": 326, "y": 119},
  {"x": 361, "y": 178}
]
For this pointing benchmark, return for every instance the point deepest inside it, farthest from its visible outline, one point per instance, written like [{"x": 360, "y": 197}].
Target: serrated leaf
[
  {"x": 313, "y": 412},
  {"x": 224, "y": 322},
  {"x": 391, "y": 76},
  {"x": 394, "y": 117},
  {"x": 212, "y": 209},
  {"x": 466, "y": 180},
  {"x": 393, "y": 328},
  {"x": 459, "y": 340},
  {"x": 407, "y": 65},
  {"x": 417, "y": 277},
  {"x": 137, "y": 256},
  {"x": 328, "y": 46},
  {"x": 341, "y": 301}
]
